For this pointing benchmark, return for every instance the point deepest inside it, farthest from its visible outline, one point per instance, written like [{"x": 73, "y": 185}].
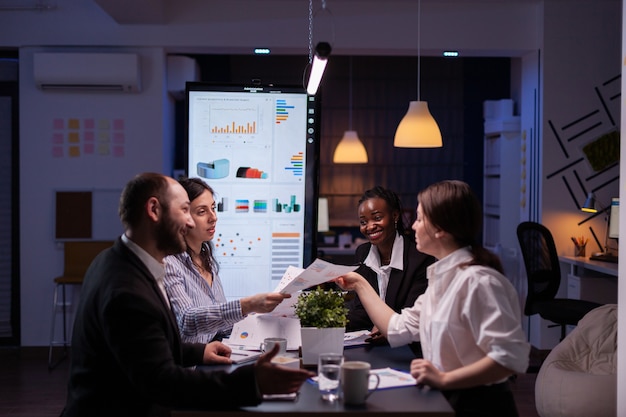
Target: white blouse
[
  {"x": 465, "y": 314},
  {"x": 384, "y": 271}
]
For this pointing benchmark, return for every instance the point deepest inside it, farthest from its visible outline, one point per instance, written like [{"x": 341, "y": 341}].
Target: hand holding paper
[{"x": 319, "y": 272}]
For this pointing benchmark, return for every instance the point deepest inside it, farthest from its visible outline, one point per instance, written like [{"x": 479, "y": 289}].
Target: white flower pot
[{"x": 316, "y": 341}]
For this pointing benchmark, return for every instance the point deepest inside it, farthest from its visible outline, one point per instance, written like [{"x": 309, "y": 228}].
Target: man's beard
[{"x": 169, "y": 239}]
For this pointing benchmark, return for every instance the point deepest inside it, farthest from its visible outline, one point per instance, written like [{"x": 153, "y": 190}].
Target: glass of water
[{"x": 328, "y": 371}]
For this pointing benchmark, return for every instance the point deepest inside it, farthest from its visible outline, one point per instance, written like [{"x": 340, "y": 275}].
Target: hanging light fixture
[
  {"x": 350, "y": 149},
  {"x": 320, "y": 59},
  {"x": 317, "y": 61},
  {"x": 418, "y": 128}
]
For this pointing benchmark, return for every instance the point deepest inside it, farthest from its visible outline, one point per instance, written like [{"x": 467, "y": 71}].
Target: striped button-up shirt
[{"x": 201, "y": 310}]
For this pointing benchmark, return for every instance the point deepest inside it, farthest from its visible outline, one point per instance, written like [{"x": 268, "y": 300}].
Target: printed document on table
[
  {"x": 319, "y": 272},
  {"x": 250, "y": 332},
  {"x": 356, "y": 338},
  {"x": 392, "y": 378}
]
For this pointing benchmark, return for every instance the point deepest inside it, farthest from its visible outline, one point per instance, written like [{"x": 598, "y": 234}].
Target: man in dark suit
[{"x": 127, "y": 356}]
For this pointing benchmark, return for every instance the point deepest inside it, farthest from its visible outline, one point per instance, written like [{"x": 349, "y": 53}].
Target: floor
[{"x": 27, "y": 388}]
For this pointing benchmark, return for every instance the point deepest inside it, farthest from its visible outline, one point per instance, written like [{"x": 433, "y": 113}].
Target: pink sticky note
[
  {"x": 89, "y": 148},
  {"x": 118, "y": 124},
  {"x": 58, "y": 124},
  {"x": 118, "y": 151},
  {"x": 57, "y": 151},
  {"x": 118, "y": 137},
  {"x": 90, "y": 124},
  {"x": 57, "y": 138},
  {"x": 89, "y": 136}
]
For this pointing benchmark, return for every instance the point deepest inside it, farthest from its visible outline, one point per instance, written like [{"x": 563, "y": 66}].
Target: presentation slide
[{"x": 254, "y": 147}]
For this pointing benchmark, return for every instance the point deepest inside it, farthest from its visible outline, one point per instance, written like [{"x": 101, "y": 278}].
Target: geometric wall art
[{"x": 589, "y": 146}]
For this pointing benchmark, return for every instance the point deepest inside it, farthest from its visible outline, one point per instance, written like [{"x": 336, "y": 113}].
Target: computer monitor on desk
[{"x": 612, "y": 233}]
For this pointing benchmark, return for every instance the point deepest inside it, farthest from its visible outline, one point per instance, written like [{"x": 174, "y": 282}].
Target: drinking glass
[{"x": 328, "y": 371}]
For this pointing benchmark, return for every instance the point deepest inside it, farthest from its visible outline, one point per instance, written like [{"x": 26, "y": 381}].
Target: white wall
[
  {"x": 145, "y": 135},
  {"x": 580, "y": 103}
]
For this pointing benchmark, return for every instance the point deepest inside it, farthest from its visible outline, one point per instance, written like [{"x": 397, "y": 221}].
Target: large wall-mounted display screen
[{"x": 257, "y": 147}]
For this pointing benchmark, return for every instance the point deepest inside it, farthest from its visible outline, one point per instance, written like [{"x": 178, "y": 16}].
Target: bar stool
[{"x": 77, "y": 258}]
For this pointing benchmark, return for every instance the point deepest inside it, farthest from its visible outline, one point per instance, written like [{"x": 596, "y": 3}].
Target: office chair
[
  {"x": 543, "y": 273},
  {"x": 77, "y": 258}
]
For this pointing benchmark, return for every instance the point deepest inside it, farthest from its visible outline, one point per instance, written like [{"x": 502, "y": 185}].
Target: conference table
[{"x": 396, "y": 402}]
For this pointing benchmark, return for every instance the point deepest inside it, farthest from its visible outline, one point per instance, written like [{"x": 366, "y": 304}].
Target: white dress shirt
[
  {"x": 156, "y": 268},
  {"x": 384, "y": 271},
  {"x": 465, "y": 314}
]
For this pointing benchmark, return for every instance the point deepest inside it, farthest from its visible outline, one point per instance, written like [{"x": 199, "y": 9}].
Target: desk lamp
[{"x": 589, "y": 206}]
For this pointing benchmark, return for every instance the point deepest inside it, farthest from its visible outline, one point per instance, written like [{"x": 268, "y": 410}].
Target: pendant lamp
[
  {"x": 350, "y": 149},
  {"x": 317, "y": 61},
  {"x": 320, "y": 59},
  {"x": 418, "y": 128}
]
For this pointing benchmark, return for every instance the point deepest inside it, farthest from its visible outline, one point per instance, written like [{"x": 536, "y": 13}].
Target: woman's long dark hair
[
  {"x": 195, "y": 187},
  {"x": 393, "y": 202},
  {"x": 453, "y": 207}
]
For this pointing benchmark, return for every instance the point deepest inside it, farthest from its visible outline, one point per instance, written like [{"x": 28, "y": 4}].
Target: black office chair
[{"x": 544, "y": 278}]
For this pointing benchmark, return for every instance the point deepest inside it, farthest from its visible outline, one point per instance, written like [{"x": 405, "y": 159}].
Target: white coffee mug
[
  {"x": 355, "y": 380},
  {"x": 269, "y": 342}
]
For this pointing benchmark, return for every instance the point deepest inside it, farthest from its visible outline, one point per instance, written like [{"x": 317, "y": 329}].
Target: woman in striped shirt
[{"x": 192, "y": 282}]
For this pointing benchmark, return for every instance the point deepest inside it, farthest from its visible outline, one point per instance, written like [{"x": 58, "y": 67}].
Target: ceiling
[{"x": 160, "y": 11}]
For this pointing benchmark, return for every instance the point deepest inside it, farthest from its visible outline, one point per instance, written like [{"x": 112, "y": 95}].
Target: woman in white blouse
[
  {"x": 468, "y": 320},
  {"x": 192, "y": 282}
]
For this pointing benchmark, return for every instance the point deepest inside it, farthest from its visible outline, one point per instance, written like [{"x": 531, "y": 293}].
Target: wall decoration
[
  {"x": 76, "y": 138},
  {"x": 603, "y": 151}
]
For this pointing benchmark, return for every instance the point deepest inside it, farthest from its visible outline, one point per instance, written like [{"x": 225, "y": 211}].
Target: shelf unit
[{"x": 501, "y": 182}]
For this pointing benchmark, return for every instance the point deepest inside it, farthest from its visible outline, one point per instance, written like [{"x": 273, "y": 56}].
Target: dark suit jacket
[
  {"x": 404, "y": 286},
  {"x": 127, "y": 356}
]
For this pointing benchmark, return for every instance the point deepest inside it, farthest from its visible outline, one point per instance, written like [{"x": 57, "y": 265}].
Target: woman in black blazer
[{"x": 390, "y": 261}]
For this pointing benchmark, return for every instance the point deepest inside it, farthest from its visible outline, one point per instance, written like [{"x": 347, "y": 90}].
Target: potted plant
[{"x": 323, "y": 317}]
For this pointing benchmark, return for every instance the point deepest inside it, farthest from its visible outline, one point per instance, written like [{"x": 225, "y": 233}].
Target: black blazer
[
  {"x": 404, "y": 286},
  {"x": 127, "y": 357}
]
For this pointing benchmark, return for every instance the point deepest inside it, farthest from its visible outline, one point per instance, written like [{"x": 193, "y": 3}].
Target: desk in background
[
  {"x": 590, "y": 280},
  {"x": 395, "y": 402}
]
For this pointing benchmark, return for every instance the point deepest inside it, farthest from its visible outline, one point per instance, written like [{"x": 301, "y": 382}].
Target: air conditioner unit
[{"x": 87, "y": 71}]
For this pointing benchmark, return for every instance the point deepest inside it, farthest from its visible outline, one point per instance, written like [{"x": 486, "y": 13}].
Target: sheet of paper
[
  {"x": 290, "y": 274},
  {"x": 243, "y": 356},
  {"x": 286, "y": 308},
  {"x": 392, "y": 378},
  {"x": 389, "y": 378},
  {"x": 318, "y": 272},
  {"x": 356, "y": 338},
  {"x": 252, "y": 330}
]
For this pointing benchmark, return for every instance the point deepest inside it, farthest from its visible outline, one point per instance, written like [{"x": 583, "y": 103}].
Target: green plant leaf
[{"x": 321, "y": 308}]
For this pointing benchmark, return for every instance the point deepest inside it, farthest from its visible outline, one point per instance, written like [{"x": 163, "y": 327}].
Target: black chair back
[{"x": 542, "y": 264}]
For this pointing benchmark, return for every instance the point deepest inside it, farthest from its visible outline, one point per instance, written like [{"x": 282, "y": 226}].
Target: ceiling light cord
[
  {"x": 418, "y": 128},
  {"x": 310, "y": 32},
  {"x": 350, "y": 96},
  {"x": 419, "y": 31}
]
